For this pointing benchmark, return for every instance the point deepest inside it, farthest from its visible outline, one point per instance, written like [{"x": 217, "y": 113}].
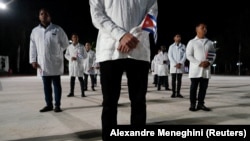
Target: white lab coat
[
  {"x": 46, "y": 48},
  {"x": 154, "y": 67},
  {"x": 88, "y": 62},
  {"x": 162, "y": 69},
  {"x": 96, "y": 65},
  {"x": 76, "y": 66},
  {"x": 113, "y": 19},
  {"x": 177, "y": 54},
  {"x": 196, "y": 52}
]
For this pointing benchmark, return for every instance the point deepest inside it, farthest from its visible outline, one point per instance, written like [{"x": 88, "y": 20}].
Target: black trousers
[
  {"x": 72, "y": 84},
  {"x": 137, "y": 80},
  {"x": 162, "y": 80},
  {"x": 92, "y": 77},
  {"x": 203, "y": 84},
  {"x": 47, "y": 86},
  {"x": 176, "y": 78}
]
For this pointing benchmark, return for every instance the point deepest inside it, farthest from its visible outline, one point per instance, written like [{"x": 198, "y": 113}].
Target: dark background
[{"x": 228, "y": 24}]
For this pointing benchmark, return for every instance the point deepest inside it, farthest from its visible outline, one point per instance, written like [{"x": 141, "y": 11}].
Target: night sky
[{"x": 228, "y": 24}]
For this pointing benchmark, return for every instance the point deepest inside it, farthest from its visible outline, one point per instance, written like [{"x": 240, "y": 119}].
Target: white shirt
[
  {"x": 177, "y": 54},
  {"x": 76, "y": 66},
  {"x": 89, "y": 62},
  {"x": 114, "y": 18},
  {"x": 154, "y": 66},
  {"x": 46, "y": 48},
  {"x": 162, "y": 68},
  {"x": 196, "y": 52}
]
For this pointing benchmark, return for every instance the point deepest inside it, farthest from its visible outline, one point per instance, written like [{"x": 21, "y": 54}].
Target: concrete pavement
[{"x": 21, "y": 98}]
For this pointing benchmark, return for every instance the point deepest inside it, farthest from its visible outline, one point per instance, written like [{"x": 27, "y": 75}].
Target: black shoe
[
  {"x": 179, "y": 95},
  {"x": 46, "y": 109},
  {"x": 192, "y": 108},
  {"x": 57, "y": 109},
  {"x": 83, "y": 95},
  {"x": 173, "y": 95},
  {"x": 70, "y": 95},
  {"x": 167, "y": 89},
  {"x": 203, "y": 107},
  {"x": 93, "y": 89}
]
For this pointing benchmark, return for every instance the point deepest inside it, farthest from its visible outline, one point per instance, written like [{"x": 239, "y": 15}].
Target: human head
[
  {"x": 44, "y": 16},
  {"x": 177, "y": 38},
  {"x": 74, "y": 38},
  {"x": 88, "y": 46},
  {"x": 201, "y": 30},
  {"x": 163, "y": 48}
]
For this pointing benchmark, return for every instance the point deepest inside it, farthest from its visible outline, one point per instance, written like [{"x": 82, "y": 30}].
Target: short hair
[
  {"x": 44, "y": 9},
  {"x": 74, "y": 33},
  {"x": 200, "y": 23}
]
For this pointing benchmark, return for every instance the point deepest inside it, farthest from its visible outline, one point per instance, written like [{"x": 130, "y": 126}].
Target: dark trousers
[
  {"x": 176, "y": 78},
  {"x": 155, "y": 79},
  {"x": 72, "y": 84},
  {"x": 162, "y": 80},
  {"x": 137, "y": 80},
  {"x": 47, "y": 85},
  {"x": 95, "y": 78},
  {"x": 203, "y": 84},
  {"x": 92, "y": 77}
]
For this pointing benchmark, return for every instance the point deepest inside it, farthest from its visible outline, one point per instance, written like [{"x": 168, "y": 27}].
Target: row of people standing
[
  {"x": 81, "y": 64},
  {"x": 201, "y": 54},
  {"x": 175, "y": 58},
  {"x": 117, "y": 51}
]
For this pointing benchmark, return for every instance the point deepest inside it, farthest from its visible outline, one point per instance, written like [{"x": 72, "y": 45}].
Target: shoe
[
  {"x": 46, "y": 109},
  {"x": 93, "y": 89},
  {"x": 203, "y": 107},
  {"x": 179, "y": 95},
  {"x": 173, "y": 95},
  {"x": 70, "y": 95},
  {"x": 192, "y": 108},
  {"x": 57, "y": 109},
  {"x": 167, "y": 89},
  {"x": 83, "y": 95}
]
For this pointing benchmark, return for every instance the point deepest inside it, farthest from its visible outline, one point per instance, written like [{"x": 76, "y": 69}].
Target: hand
[
  {"x": 35, "y": 65},
  {"x": 204, "y": 64},
  {"x": 178, "y": 66},
  {"x": 73, "y": 58},
  {"x": 127, "y": 43}
]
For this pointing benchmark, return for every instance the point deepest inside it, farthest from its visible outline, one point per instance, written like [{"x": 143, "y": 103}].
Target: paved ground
[{"x": 22, "y": 97}]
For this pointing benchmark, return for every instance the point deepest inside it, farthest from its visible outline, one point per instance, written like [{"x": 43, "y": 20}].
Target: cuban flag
[
  {"x": 149, "y": 24},
  {"x": 210, "y": 55}
]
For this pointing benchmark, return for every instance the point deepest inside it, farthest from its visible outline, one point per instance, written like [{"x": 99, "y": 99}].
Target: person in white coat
[
  {"x": 122, "y": 48},
  {"x": 75, "y": 54},
  {"x": 47, "y": 44},
  {"x": 177, "y": 58},
  {"x": 162, "y": 63},
  {"x": 97, "y": 72},
  {"x": 89, "y": 69},
  {"x": 154, "y": 68},
  {"x": 201, "y": 55}
]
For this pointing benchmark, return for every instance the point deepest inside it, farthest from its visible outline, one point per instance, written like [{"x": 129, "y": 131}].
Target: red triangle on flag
[{"x": 147, "y": 22}]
